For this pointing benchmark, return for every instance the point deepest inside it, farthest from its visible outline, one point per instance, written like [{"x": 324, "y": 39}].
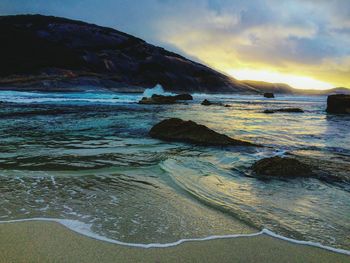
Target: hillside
[
  {"x": 281, "y": 88},
  {"x": 270, "y": 87},
  {"x": 51, "y": 53}
]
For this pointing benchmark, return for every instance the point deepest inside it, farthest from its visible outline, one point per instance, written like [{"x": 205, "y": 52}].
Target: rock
[
  {"x": 206, "y": 103},
  {"x": 291, "y": 110},
  {"x": 183, "y": 97},
  {"x": 160, "y": 99},
  {"x": 269, "y": 95},
  {"x": 332, "y": 168},
  {"x": 338, "y": 104},
  {"x": 152, "y": 100},
  {"x": 188, "y": 131},
  {"x": 209, "y": 103},
  {"x": 281, "y": 168}
]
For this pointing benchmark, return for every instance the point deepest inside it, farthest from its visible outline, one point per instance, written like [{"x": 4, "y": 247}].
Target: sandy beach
[{"x": 52, "y": 242}]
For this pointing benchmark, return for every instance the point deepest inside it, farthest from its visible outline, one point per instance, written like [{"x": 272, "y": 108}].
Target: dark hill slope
[
  {"x": 280, "y": 88},
  {"x": 51, "y": 53}
]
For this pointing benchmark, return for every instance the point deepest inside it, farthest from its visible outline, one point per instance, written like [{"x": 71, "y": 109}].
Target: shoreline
[
  {"x": 85, "y": 231},
  {"x": 39, "y": 241}
]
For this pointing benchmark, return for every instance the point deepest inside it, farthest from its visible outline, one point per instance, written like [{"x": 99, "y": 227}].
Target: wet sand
[{"x": 51, "y": 242}]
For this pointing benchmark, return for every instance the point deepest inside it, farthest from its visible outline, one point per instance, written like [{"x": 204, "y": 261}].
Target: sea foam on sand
[{"x": 85, "y": 229}]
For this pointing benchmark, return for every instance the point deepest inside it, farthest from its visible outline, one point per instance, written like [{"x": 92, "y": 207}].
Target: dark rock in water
[
  {"x": 188, "y": 131},
  {"x": 268, "y": 111},
  {"x": 295, "y": 110},
  {"x": 183, "y": 97},
  {"x": 206, "y": 103},
  {"x": 338, "y": 104},
  {"x": 209, "y": 103},
  {"x": 331, "y": 169},
  {"x": 269, "y": 95},
  {"x": 282, "y": 168},
  {"x": 291, "y": 110},
  {"x": 160, "y": 99}
]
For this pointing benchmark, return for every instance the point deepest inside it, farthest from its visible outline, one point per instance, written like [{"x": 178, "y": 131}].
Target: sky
[{"x": 304, "y": 43}]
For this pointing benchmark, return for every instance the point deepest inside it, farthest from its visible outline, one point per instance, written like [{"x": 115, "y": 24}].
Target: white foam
[
  {"x": 79, "y": 97},
  {"x": 85, "y": 229},
  {"x": 157, "y": 90}
]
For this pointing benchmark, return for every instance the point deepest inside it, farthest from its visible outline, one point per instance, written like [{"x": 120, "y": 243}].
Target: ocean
[{"x": 87, "y": 158}]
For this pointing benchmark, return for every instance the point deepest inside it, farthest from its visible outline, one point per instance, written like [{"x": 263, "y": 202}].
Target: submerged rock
[
  {"x": 291, "y": 110},
  {"x": 305, "y": 164},
  {"x": 281, "y": 168},
  {"x": 338, "y": 104},
  {"x": 160, "y": 99},
  {"x": 269, "y": 95},
  {"x": 210, "y": 103},
  {"x": 183, "y": 97},
  {"x": 188, "y": 131},
  {"x": 332, "y": 168},
  {"x": 206, "y": 103}
]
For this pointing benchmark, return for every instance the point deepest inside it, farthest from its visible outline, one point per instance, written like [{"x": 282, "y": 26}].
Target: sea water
[{"x": 87, "y": 158}]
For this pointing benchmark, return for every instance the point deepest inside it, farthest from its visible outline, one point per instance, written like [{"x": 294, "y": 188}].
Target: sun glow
[{"x": 298, "y": 82}]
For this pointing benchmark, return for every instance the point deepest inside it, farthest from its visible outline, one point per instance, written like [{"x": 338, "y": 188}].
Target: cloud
[
  {"x": 309, "y": 37},
  {"x": 301, "y": 37}
]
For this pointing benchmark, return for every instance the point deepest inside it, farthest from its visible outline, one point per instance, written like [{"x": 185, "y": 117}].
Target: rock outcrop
[
  {"x": 338, "y": 104},
  {"x": 160, "y": 99},
  {"x": 279, "y": 167},
  {"x": 269, "y": 95},
  {"x": 288, "y": 110},
  {"x": 188, "y": 131}
]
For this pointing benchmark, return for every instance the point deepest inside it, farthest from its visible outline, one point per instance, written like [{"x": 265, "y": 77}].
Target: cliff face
[{"x": 41, "y": 52}]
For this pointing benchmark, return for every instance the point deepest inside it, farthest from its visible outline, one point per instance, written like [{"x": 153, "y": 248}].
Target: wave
[
  {"x": 76, "y": 97},
  {"x": 85, "y": 230},
  {"x": 157, "y": 90},
  {"x": 226, "y": 188}
]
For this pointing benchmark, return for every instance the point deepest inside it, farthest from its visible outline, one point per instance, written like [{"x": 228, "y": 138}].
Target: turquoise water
[{"x": 88, "y": 157}]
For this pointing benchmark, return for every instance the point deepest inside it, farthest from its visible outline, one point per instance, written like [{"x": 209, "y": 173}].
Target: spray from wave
[{"x": 157, "y": 90}]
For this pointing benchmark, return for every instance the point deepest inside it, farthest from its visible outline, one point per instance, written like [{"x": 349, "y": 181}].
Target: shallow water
[{"x": 87, "y": 157}]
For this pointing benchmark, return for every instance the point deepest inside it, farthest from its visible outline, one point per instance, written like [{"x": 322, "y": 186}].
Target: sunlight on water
[{"x": 87, "y": 156}]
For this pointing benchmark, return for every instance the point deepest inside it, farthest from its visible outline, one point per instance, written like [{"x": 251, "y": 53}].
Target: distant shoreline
[{"x": 63, "y": 88}]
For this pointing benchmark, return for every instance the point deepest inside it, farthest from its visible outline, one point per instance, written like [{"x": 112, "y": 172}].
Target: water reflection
[{"x": 88, "y": 157}]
